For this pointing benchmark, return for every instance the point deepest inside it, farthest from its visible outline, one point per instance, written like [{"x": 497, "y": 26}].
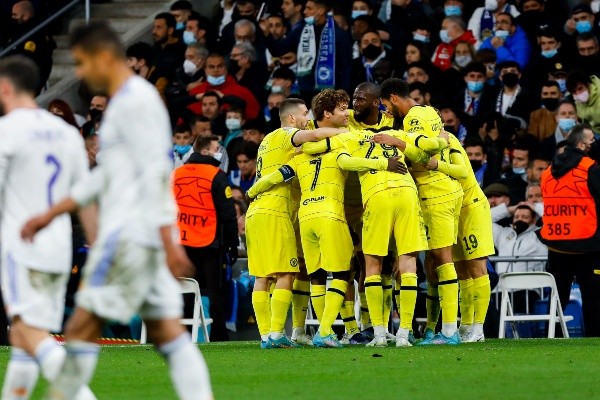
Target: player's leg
[
  {"x": 318, "y": 291},
  {"x": 300, "y": 298},
  {"x": 447, "y": 289},
  {"x": 348, "y": 313},
  {"x": 280, "y": 305},
  {"x": 365, "y": 318},
  {"x": 432, "y": 300},
  {"x": 407, "y": 298},
  {"x": 374, "y": 295},
  {"x": 22, "y": 370},
  {"x": 387, "y": 287},
  {"x": 261, "y": 303},
  {"x": 465, "y": 298},
  {"x": 481, "y": 296}
]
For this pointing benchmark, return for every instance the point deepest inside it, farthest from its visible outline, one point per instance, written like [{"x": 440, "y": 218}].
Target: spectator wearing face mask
[
  {"x": 516, "y": 178},
  {"x": 198, "y": 30},
  {"x": 372, "y": 52},
  {"x": 249, "y": 72},
  {"x": 182, "y": 145},
  {"x": 140, "y": 58},
  {"x": 454, "y": 31},
  {"x": 509, "y": 41},
  {"x": 98, "y": 104},
  {"x": 474, "y": 99},
  {"x": 234, "y": 121},
  {"x": 201, "y": 127},
  {"x": 588, "y": 53},
  {"x": 483, "y": 20},
  {"x": 485, "y": 172},
  {"x": 282, "y": 81},
  {"x": 512, "y": 99},
  {"x": 542, "y": 122},
  {"x": 245, "y": 175},
  {"x": 582, "y": 21},
  {"x": 585, "y": 89},
  {"x": 566, "y": 118},
  {"x": 549, "y": 57}
]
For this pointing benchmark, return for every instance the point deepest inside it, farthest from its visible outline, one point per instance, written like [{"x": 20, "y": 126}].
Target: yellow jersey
[
  {"x": 471, "y": 189},
  {"x": 385, "y": 122},
  {"x": 422, "y": 123},
  {"x": 322, "y": 183},
  {"x": 276, "y": 150}
]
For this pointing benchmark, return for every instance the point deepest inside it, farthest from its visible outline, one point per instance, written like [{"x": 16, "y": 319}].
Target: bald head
[
  {"x": 22, "y": 11},
  {"x": 368, "y": 88}
]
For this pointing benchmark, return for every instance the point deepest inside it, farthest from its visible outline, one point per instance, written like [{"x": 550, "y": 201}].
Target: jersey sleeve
[
  {"x": 323, "y": 146},
  {"x": 284, "y": 174},
  {"x": 427, "y": 144},
  {"x": 456, "y": 168},
  {"x": 361, "y": 164},
  {"x": 7, "y": 150}
]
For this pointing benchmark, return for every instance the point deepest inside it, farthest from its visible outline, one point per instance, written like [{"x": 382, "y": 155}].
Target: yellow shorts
[
  {"x": 394, "y": 211},
  {"x": 475, "y": 238},
  {"x": 441, "y": 223},
  {"x": 271, "y": 245},
  {"x": 327, "y": 244}
]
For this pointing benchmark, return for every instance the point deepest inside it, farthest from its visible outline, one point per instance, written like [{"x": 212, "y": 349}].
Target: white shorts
[
  {"x": 37, "y": 297},
  {"x": 122, "y": 279}
]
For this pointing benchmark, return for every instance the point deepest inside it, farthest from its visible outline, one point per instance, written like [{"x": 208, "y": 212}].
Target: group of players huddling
[{"x": 337, "y": 189}]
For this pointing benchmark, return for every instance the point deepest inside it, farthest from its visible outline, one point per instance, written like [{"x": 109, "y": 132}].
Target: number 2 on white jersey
[{"x": 55, "y": 164}]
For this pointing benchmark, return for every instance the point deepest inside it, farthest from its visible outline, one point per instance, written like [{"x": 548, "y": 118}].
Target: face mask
[
  {"x": 491, "y": 5},
  {"x": 358, "y": 13},
  {"x": 420, "y": 38},
  {"x": 309, "y": 20},
  {"x": 180, "y": 26},
  {"x": 189, "y": 67},
  {"x": 95, "y": 113},
  {"x": 215, "y": 80},
  {"x": 371, "y": 52},
  {"x": 518, "y": 170},
  {"x": 476, "y": 164},
  {"x": 218, "y": 156},
  {"x": 549, "y": 53},
  {"x": 582, "y": 97},
  {"x": 502, "y": 34},
  {"x": 233, "y": 124},
  {"x": 550, "y": 104},
  {"x": 449, "y": 129},
  {"x": 520, "y": 226},
  {"x": 475, "y": 86},
  {"x": 444, "y": 37},
  {"x": 583, "y": 26},
  {"x": 566, "y": 124},
  {"x": 276, "y": 89},
  {"x": 562, "y": 83},
  {"x": 510, "y": 80},
  {"x": 188, "y": 37},
  {"x": 452, "y": 10},
  {"x": 181, "y": 150},
  {"x": 462, "y": 61}
]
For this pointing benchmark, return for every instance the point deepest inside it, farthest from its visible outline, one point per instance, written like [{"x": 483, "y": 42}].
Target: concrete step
[
  {"x": 60, "y": 71},
  {"x": 135, "y": 10},
  {"x": 120, "y": 25},
  {"x": 62, "y": 41},
  {"x": 62, "y": 57}
]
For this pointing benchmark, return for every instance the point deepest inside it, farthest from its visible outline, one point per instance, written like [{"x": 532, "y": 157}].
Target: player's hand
[
  {"x": 497, "y": 42},
  {"x": 33, "y": 226},
  {"x": 570, "y": 26},
  {"x": 178, "y": 261},
  {"x": 248, "y": 198},
  {"x": 382, "y": 138},
  {"x": 432, "y": 164},
  {"x": 444, "y": 135},
  {"x": 395, "y": 165}
]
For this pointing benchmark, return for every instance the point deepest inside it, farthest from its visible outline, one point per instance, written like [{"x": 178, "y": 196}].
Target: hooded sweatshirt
[{"x": 590, "y": 112}]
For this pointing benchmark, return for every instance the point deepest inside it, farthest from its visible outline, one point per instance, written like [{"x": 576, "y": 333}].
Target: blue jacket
[{"x": 516, "y": 48}]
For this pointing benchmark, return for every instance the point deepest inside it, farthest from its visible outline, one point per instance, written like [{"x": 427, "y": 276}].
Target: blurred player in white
[
  {"x": 41, "y": 158},
  {"x": 126, "y": 272}
]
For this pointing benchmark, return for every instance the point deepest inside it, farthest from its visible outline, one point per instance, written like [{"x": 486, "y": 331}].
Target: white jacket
[{"x": 508, "y": 243}]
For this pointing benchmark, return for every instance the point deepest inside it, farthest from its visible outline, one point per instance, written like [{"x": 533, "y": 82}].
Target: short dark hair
[
  {"x": 576, "y": 135},
  {"x": 577, "y": 76},
  {"x": 181, "y": 5},
  {"x": 394, "y": 86},
  {"x": 328, "y": 100},
  {"x": 198, "y": 118},
  {"x": 21, "y": 72},
  {"x": 250, "y": 150},
  {"x": 284, "y": 73},
  {"x": 96, "y": 36},
  {"x": 203, "y": 142},
  {"x": 509, "y": 64},
  {"x": 526, "y": 207},
  {"x": 324, "y": 3},
  {"x": 585, "y": 37},
  {"x": 475, "y": 142},
  {"x": 549, "y": 83},
  {"x": 181, "y": 128},
  {"x": 211, "y": 93},
  {"x": 169, "y": 19},
  {"x": 509, "y": 15},
  {"x": 474, "y": 66},
  {"x": 141, "y": 51},
  {"x": 420, "y": 86},
  {"x": 288, "y": 105}
]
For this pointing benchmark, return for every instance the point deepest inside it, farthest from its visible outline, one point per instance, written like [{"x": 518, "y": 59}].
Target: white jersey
[
  {"x": 41, "y": 159},
  {"x": 132, "y": 179}
]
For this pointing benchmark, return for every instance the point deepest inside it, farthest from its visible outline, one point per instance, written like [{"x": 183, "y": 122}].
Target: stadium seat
[
  {"x": 198, "y": 320},
  {"x": 530, "y": 281}
]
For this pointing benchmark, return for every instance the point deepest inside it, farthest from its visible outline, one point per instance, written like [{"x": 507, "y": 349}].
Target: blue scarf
[
  {"x": 325, "y": 69},
  {"x": 487, "y": 25},
  {"x": 480, "y": 173},
  {"x": 461, "y": 134}
]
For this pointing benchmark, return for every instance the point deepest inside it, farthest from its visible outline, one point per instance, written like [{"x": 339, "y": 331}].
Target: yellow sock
[
  {"x": 347, "y": 314},
  {"x": 280, "y": 305},
  {"x": 317, "y": 298},
  {"x": 432, "y": 304},
  {"x": 408, "y": 299},
  {"x": 301, "y": 295},
  {"x": 365, "y": 318},
  {"x": 374, "y": 294},
  {"x": 386, "y": 285},
  {"x": 333, "y": 303},
  {"x": 465, "y": 301},
  {"x": 262, "y": 311},
  {"x": 448, "y": 290},
  {"x": 481, "y": 298}
]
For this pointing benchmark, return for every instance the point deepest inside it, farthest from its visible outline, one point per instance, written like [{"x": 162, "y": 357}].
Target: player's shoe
[
  {"x": 402, "y": 338},
  {"x": 282, "y": 343},
  {"x": 378, "y": 341},
  {"x": 390, "y": 337},
  {"x": 331, "y": 341},
  {"x": 464, "y": 331},
  {"x": 427, "y": 337},
  {"x": 368, "y": 333},
  {"x": 263, "y": 344},
  {"x": 473, "y": 337},
  {"x": 441, "y": 339},
  {"x": 411, "y": 338},
  {"x": 303, "y": 339},
  {"x": 352, "y": 340}
]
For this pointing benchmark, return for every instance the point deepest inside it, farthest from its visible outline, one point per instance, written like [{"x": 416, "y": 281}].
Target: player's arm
[
  {"x": 322, "y": 146},
  {"x": 348, "y": 163},
  {"x": 456, "y": 168},
  {"x": 284, "y": 174},
  {"x": 314, "y": 135},
  {"x": 396, "y": 139},
  {"x": 36, "y": 224}
]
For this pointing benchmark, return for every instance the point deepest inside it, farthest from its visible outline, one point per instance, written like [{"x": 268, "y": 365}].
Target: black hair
[
  {"x": 284, "y": 73},
  {"x": 141, "y": 51},
  {"x": 181, "y": 5},
  {"x": 475, "y": 142},
  {"x": 577, "y": 76},
  {"x": 420, "y": 86},
  {"x": 509, "y": 64},
  {"x": 250, "y": 150},
  {"x": 96, "y": 36},
  {"x": 474, "y": 66},
  {"x": 203, "y": 142},
  {"x": 551, "y": 83},
  {"x": 169, "y": 19},
  {"x": 576, "y": 135},
  {"x": 198, "y": 118},
  {"x": 210, "y": 93},
  {"x": 21, "y": 72},
  {"x": 394, "y": 86}
]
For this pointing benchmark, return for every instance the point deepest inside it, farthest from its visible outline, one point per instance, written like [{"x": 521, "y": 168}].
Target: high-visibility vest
[
  {"x": 197, "y": 216},
  {"x": 570, "y": 213}
]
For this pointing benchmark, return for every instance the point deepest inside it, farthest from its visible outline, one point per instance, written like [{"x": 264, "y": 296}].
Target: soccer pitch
[{"x": 510, "y": 369}]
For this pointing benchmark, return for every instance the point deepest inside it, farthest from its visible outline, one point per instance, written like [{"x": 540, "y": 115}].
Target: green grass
[{"x": 507, "y": 369}]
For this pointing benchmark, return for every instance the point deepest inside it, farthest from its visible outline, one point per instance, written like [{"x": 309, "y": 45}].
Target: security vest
[
  {"x": 197, "y": 216},
  {"x": 570, "y": 213}
]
